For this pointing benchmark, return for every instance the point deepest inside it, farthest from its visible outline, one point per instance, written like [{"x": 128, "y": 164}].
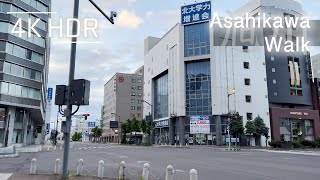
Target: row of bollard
[{"x": 170, "y": 172}]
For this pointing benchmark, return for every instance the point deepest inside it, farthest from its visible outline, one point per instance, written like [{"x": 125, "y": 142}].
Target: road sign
[
  {"x": 196, "y": 13},
  {"x": 199, "y": 125},
  {"x": 50, "y": 90},
  {"x": 233, "y": 140},
  {"x": 91, "y": 124},
  {"x": 114, "y": 124}
]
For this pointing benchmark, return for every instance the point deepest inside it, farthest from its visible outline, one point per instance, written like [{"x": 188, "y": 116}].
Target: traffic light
[{"x": 86, "y": 116}]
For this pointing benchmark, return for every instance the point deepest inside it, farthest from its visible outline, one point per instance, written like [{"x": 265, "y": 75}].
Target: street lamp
[
  {"x": 233, "y": 91},
  {"x": 116, "y": 131}
]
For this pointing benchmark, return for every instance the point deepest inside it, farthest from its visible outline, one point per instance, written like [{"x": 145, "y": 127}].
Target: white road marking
[
  {"x": 110, "y": 153},
  {"x": 179, "y": 170},
  {"x": 123, "y": 156},
  {"x": 139, "y": 162},
  {"x": 5, "y": 176},
  {"x": 79, "y": 148},
  {"x": 288, "y": 158},
  {"x": 246, "y": 154},
  {"x": 94, "y": 147}
]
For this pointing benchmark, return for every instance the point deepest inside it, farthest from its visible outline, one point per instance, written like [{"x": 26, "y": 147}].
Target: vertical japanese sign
[
  {"x": 195, "y": 13},
  {"x": 199, "y": 125},
  {"x": 50, "y": 94}
]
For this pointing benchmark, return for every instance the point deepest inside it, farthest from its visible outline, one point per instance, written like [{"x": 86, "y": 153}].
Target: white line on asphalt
[
  {"x": 288, "y": 158},
  {"x": 179, "y": 170},
  {"x": 5, "y": 176},
  {"x": 79, "y": 148},
  {"x": 94, "y": 147},
  {"x": 246, "y": 154},
  {"x": 123, "y": 156},
  {"x": 139, "y": 162},
  {"x": 110, "y": 153}
]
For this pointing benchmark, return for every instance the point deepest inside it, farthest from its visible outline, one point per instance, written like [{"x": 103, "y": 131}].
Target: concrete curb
[
  {"x": 9, "y": 156},
  {"x": 288, "y": 152}
]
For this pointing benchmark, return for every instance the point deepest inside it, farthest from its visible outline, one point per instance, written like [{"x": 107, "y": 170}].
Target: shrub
[
  {"x": 297, "y": 144},
  {"x": 317, "y": 143},
  {"x": 307, "y": 143},
  {"x": 275, "y": 144}
]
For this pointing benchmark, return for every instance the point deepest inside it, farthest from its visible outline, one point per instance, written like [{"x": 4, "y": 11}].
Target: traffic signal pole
[{"x": 71, "y": 78}]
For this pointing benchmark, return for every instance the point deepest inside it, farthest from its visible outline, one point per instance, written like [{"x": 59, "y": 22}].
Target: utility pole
[{"x": 68, "y": 111}]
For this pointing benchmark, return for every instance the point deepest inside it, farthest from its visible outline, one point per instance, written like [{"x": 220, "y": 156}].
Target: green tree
[
  {"x": 136, "y": 126},
  {"x": 96, "y": 133},
  {"x": 236, "y": 125},
  {"x": 250, "y": 129},
  {"x": 260, "y": 128},
  {"x": 266, "y": 134},
  {"x": 144, "y": 127},
  {"x": 124, "y": 131},
  {"x": 76, "y": 136}
]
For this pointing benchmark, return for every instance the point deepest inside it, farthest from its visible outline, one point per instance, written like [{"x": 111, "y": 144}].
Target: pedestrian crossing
[{"x": 5, "y": 176}]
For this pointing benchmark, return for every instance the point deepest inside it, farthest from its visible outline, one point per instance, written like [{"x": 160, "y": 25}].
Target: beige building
[
  {"x": 316, "y": 65},
  {"x": 123, "y": 95}
]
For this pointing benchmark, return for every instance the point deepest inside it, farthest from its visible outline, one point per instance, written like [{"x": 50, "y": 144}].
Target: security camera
[{"x": 113, "y": 14}]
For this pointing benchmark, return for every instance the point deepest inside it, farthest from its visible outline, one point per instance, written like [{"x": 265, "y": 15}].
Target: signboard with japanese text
[
  {"x": 199, "y": 125},
  {"x": 50, "y": 94},
  {"x": 196, "y": 13},
  {"x": 91, "y": 124},
  {"x": 163, "y": 123}
]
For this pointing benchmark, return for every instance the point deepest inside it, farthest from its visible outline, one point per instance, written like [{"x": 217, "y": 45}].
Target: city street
[{"x": 211, "y": 163}]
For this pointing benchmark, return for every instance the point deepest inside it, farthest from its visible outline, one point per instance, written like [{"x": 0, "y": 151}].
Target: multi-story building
[
  {"x": 122, "y": 101},
  {"x": 188, "y": 77},
  {"x": 316, "y": 65},
  {"x": 288, "y": 76},
  {"x": 24, "y": 73}
]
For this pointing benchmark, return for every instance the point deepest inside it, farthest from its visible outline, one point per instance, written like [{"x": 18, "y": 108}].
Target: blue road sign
[
  {"x": 195, "y": 13},
  {"x": 91, "y": 124},
  {"x": 50, "y": 90}
]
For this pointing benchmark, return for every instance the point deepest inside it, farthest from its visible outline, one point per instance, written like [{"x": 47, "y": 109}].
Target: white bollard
[
  {"x": 48, "y": 149},
  {"x": 169, "y": 173},
  {"x": 100, "y": 169},
  {"x": 60, "y": 147},
  {"x": 57, "y": 166},
  {"x": 40, "y": 148},
  {"x": 175, "y": 144},
  {"x": 180, "y": 145},
  {"x": 33, "y": 167},
  {"x": 121, "y": 170},
  {"x": 187, "y": 144},
  {"x": 193, "y": 174},
  {"x": 145, "y": 171},
  {"x": 80, "y": 167},
  {"x": 55, "y": 148}
]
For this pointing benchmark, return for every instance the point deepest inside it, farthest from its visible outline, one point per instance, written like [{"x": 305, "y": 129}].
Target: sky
[{"x": 122, "y": 47}]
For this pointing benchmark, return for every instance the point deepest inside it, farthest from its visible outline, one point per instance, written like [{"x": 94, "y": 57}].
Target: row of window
[
  {"x": 24, "y": 53},
  {"x": 134, "y": 101},
  {"x": 6, "y": 27},
  {"x": 133, "y": 115},
  {"x": 19, "y": 91},
  {"x": 136, "y": 80},
  {"x": 5, "y": 8},
  {"x": 21, "y": 71},
  {"x": 138, "y": 87},
  {"x": 134, "y": 108},
  {"x": 134, "y": 94},
  {"x": 37, "y": 5}
]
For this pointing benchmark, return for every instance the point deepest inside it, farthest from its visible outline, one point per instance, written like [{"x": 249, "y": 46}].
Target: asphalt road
[{"x": 211, "y": 163}]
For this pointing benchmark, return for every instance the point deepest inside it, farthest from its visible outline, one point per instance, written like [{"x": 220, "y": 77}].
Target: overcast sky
[{"x": 122, "y": 47}]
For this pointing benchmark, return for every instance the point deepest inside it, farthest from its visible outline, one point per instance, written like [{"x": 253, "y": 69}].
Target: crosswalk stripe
[{"x": 5, "y": 176}]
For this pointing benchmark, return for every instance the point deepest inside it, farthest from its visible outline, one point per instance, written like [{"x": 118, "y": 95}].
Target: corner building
[
  {"x": 187, "y": 77},
  {"x": 24, "y": 65}
]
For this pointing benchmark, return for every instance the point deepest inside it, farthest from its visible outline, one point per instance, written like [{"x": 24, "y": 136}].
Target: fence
[{"x": 121, "y": 172}]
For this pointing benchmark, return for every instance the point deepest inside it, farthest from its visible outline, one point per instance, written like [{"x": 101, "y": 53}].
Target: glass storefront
[
  {"x": 161, "y": 97},
  {"x": 296, "y": 129}
]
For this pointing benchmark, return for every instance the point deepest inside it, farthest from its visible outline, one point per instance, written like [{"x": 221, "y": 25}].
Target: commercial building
[
  {"x": 84, "y": 127},
  {"x": 122, "y": 101},
  {"x": 288, "y": 76},
  {"x": 188, "y": 78},
  {"x": 24, "y": 65},
  {"x": 316, "y": 65}
]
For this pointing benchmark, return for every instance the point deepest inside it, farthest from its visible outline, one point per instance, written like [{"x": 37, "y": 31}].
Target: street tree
[
  {"x": 96, "y": 133},
  {"x": 260, "y": 128},
  {"x": 266, "y": 134},
  {"x": 236, "y": 125},
  {"x": 250, "y": 130}
]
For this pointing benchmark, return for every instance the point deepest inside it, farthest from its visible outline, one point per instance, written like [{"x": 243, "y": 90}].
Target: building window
[
  {"x": 139, "y": 101},
  {"x": 197, "y": 39},
  {"x": 139, "y": 108},
  {"x": 139, "y": 81},
  {"x": 273, "y": 70},
  {"x": 133, "y": 94},
  {"x": 245, "y": 48},
  {"x": 249, "y": 116},
  {"x": 247, "y": 82},
  {"x": 246, "y": 65},
  {"x": 274, "y": 81},
  {"x": 133, "y": 87},
  {"x": 133, "y": 101},
  {"x": 133, "y": 108},
  {"x": 295, "y": 79},
  {"x": 139, "y": 94},
  {"x": 133, "y": 80},
  {"x": 139, "y": 87},
  {"x": 138, "y": 115},
  {"x": 275, "y": 93},
  {"x": 198, "y": 88},
  {"x": 248, "y": 99},
  {"x": 132, "y": 115},
  {"x": 272, "y": 58},
  {"x": 160, "y": 98}
]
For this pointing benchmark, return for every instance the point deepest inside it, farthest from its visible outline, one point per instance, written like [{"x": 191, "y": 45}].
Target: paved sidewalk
[
  {"x": 47, "y": 177},
  {"x": 298, "y": 152}
]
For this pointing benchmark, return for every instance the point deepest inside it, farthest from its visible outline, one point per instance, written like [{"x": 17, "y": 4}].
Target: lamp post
[
  {"x": 68, "y": 111},
  {"x": 119, "y": 123},
  {"x": 151, "y": 124},
  {"x": 229, "y": 120}
]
